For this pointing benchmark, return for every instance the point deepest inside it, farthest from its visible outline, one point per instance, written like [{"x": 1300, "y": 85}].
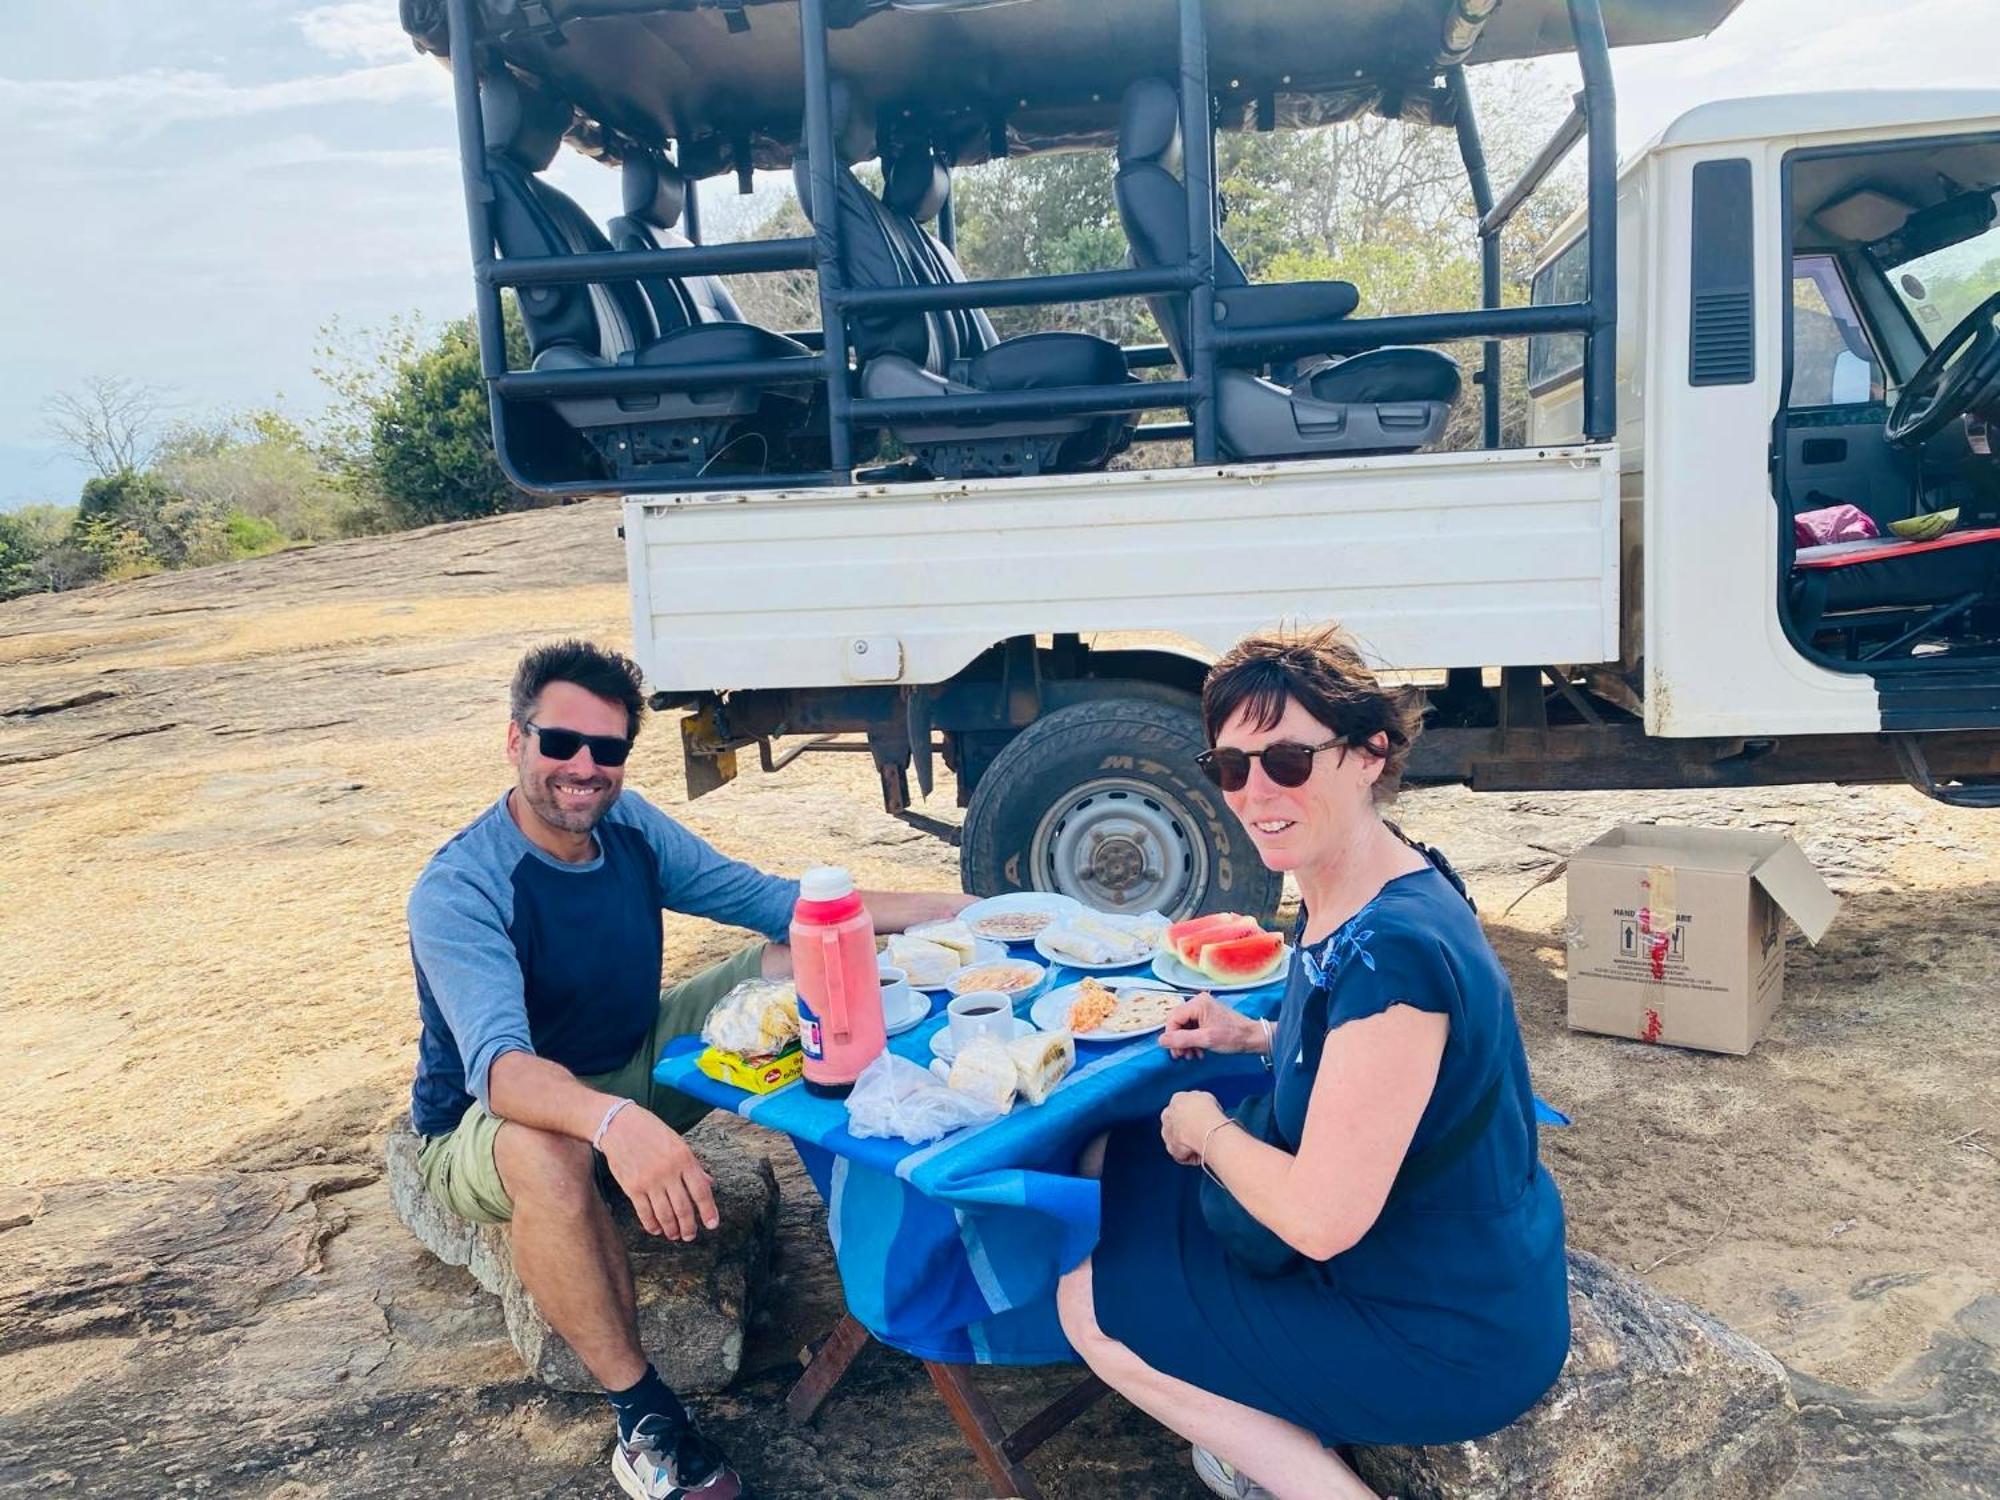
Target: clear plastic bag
[
  {"x": 895, "y": 1098},
  {"x": 758, "y": 1018}
]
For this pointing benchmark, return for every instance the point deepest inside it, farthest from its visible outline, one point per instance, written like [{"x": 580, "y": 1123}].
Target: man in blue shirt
[{"x": 536, "y": 937}]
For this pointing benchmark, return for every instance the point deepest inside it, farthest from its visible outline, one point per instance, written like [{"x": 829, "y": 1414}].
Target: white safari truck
[{"x": 901, "y": 534}]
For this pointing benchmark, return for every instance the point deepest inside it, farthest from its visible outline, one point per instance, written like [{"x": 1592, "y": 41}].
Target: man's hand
[
  {"x": 660, "y": 1174},
  {"x": 895, "y": 911}
]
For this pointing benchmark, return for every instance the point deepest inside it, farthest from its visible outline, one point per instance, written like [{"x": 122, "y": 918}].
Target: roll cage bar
[{"x": 1592, "y": 117}]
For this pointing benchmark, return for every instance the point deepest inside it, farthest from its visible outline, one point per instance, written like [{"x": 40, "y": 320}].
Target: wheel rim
[{"x": 1121, "y": 845}]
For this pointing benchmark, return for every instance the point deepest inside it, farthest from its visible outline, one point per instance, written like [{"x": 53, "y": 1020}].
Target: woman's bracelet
[
  {"x": 1225, "y": 1120},
  {"x": 597, "y": 1140},
  {"x": 1270, "y": 1046}
]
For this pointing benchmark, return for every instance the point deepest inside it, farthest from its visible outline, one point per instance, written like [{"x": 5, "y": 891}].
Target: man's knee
[{"x": 546, "y": 1171}]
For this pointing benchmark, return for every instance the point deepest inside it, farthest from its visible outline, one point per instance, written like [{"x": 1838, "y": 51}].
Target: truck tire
[{"x": 1103, "y": 801}]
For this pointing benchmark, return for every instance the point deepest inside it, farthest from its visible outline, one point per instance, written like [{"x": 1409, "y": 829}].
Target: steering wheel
[{"x": 1947, "y": 386}]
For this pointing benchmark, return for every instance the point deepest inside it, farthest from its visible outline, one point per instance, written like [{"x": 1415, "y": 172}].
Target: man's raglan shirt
[{"x": 516, "y": 951}]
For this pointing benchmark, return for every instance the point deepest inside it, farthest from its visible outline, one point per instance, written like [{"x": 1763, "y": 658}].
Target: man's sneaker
[
  {"x": 663, "y": 1462},
  {"x": 1225, "y": 1481}
]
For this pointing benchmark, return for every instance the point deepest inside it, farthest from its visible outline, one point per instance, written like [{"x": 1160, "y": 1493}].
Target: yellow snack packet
[{"x": 756, "y": 1075}]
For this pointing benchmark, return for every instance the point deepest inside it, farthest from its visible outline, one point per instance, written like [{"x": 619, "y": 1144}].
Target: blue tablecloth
[{"x": 952, "y": 1251}]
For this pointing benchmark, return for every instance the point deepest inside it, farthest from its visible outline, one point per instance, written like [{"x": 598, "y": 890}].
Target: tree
[
  {"x": 409, "y": 428},
  {"x": 258, "y": 465},
  {"x": 780, "y": 300},
  {"x": 124, "y": 495},
  {"x": 30, "y": 540},
  {"x": 108, "y": 423}
]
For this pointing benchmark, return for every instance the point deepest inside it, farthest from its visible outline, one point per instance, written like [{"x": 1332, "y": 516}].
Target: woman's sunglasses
[
  {"x": 1286, "y": 763},
  {"x": 562, "y": 744}
]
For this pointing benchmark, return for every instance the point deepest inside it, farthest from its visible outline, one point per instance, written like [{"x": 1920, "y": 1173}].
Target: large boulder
[
  {"x": 693, "y": 1299},
  {"x": 1658, "y": 1399}
]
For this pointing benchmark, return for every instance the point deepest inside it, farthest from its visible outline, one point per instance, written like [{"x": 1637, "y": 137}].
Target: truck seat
[
  {"x": 654, "y": 194},
  {"x": 1391, "y": 399},
  {"x": 676, "y": 434},
  {"x": 956, "y": 352},
  {"x": 1940, "y": 578}
]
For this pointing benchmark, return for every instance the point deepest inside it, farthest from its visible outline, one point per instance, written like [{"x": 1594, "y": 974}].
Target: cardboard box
[{"x": 1676, "y": 935}]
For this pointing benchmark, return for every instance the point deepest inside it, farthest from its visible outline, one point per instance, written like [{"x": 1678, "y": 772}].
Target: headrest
[
  {"x": 916, "y": 184},
  {"x": 524, "y": 125},
  {"x": 655, "y": 192},
  {"x": 1149, "y": 125}
]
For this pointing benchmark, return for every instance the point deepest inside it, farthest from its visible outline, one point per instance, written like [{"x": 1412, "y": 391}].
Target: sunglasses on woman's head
[
  {"x": 562, "y": 744},
  {"x": 1286, "y": 763}
]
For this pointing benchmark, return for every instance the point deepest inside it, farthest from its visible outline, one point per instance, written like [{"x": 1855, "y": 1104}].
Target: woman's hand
[
  {"x": 1204, "y": 1024},
  {"x": 1186, "y": 1122}
]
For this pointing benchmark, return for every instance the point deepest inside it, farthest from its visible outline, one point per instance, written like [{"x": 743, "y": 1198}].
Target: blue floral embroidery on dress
[{"x": 1346, "y": 942}]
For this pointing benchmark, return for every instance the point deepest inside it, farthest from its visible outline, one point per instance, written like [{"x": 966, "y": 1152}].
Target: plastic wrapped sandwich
[
  {"x": 1090, "y": 937},
  {"x": 927, "y": 964},
  {"x": 953, "y": 935},
  {"x": 1041, "y": 1061},
  {"x": 984, "y": 1070}
]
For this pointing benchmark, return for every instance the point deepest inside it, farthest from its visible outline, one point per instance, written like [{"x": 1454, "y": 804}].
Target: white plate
[
  {"x": 1166, "y": 966},
  {"x": 1063, "y": 960},
  {"x": 913, "y": 1016},
  {"x": 985, "y": 950},
  {"x": 1051, "y": 1012},
  {"x": 1056, "y": 905},
  {"x": 957, "y": 986},
  {"x": 945, "y": 1049}
]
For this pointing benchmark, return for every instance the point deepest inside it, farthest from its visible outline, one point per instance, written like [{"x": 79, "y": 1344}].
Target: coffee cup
[
  {"x": 895, "y": 991},
  {"x": 980, "y": 1013}
]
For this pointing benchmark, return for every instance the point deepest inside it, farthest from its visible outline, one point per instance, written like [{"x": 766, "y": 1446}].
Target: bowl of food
[
  {"x": 1012, "y": 977},
  {"x": 1018, "y": 916}
]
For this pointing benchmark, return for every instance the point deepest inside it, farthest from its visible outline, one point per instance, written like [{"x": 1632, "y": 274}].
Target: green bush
[
  {"x": 260, "y": 464},
  {"x": 410, "y": 423},
  {"x": 251, "y": 536}
]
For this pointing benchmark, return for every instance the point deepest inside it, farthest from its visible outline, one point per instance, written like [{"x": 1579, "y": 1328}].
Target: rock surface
[
  {"x": 205, "y": 1290},
  {"x": 694, "y": 1300},
  {"x": 1658, "y": 1399}
]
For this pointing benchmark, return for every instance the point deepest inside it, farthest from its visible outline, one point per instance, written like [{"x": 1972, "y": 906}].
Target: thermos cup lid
[{"x": 825, "y": 883}]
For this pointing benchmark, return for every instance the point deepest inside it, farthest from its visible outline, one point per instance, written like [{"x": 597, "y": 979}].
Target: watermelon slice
[
  {"x": 1235, "y": 960},
  {"x": 1186, "y": 938}
]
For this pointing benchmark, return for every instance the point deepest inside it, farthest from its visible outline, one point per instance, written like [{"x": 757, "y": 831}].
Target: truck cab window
[
  {"x": 1557, "y": 357},
  {"x": 1940, "y": 287},
  {"x": 1832, "y": 361}
]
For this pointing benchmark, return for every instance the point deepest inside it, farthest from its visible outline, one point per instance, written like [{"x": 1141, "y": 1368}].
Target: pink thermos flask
[{"x": 840, "y": 988}]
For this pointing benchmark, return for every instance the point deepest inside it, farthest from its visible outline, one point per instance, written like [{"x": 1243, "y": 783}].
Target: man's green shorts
[{"x": 458, "y": 1167}]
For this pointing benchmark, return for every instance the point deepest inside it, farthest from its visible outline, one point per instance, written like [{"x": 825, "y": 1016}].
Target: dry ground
[{"x": 216, "y": 788}]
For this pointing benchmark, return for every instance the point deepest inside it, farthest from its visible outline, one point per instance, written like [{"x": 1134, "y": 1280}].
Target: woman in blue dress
[{"x": 1378, "y": 1255}]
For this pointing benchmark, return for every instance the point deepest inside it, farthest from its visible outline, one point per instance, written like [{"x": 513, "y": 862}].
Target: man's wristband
[{"x": 597, "y": 1140}]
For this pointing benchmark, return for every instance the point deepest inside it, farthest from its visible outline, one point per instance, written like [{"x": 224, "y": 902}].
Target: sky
[{"x": 196, "y": 188}]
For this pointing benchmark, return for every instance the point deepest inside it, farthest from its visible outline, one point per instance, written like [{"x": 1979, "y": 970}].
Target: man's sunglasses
[
  {"x": 562, "y": 744},
  {"x": 1286, "y": 763}
]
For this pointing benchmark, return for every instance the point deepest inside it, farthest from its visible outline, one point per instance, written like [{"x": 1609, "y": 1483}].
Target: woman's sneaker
[
  {"x": 1225, "y": 1481},
  {"x": 661, "y": 1461}
]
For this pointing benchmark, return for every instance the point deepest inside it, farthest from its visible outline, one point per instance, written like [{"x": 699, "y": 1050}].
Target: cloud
[
  {"x": 132, "y": 105},
  {"x": 361, "y": 29}
]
